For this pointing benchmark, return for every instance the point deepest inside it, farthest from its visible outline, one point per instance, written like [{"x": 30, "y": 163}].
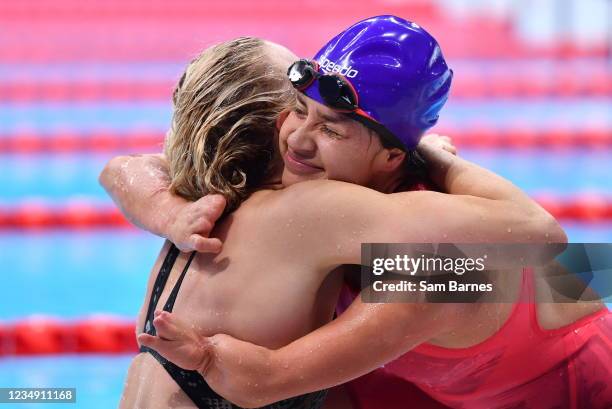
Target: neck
[{"x": 274, "y": 178}]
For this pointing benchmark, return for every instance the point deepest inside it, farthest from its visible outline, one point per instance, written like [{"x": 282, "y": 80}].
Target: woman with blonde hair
[{"x": 222, "y": 141}]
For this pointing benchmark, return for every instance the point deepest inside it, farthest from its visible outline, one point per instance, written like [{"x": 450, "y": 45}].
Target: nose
[{"x": 301, "y": 141}]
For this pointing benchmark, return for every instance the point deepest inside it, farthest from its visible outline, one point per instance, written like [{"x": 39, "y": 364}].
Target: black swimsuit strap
[
  {"x": 172, "y": 298},
  {"x": 158, "y": 287}
]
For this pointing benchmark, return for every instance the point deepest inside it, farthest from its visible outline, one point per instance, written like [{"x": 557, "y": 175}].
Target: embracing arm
[
  {"x": 481, "y": 207},
  {"x": 138, "y": 184},
  {"x": 362, "y": 339}
]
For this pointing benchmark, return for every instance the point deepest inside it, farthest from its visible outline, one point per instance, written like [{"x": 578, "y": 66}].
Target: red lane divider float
[
  {"x": 478, "y": 136},
  {"x": 44, "y": 335},
  {"x": 38, "y": 216}
]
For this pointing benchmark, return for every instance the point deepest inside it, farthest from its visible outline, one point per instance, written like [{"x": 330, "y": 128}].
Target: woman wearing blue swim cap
[{"x": 339, "y": 216}]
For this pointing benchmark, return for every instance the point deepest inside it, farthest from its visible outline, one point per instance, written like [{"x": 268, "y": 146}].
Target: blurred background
[{"x": 81, "y": 82}]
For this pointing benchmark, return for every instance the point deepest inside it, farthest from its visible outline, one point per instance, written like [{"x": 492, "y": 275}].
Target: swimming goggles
[{"x": 337, "y": 93}]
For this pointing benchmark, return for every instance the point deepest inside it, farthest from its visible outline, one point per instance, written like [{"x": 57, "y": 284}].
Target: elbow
[
  {"x": 111, "y": 172},
  {"x": 548, "y": 229}
]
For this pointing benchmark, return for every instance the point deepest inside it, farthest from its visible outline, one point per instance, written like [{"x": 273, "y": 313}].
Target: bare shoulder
[
  {"x": 319, "y": 198},
  {"x": 312, "y": 218},
  {"x": 330, "y": 197}
]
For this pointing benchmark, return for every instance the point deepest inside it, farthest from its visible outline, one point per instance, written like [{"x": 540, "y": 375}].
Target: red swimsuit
[{"x": 520, "y": 367}]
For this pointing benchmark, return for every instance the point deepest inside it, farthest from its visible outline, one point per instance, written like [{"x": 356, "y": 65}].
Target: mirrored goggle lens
[
  {"x": 337, "y": 93},
  {"x": 301, "y": 73}
]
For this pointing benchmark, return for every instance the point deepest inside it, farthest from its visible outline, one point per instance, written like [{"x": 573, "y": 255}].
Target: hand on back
[{"x": 191, "y": 224}]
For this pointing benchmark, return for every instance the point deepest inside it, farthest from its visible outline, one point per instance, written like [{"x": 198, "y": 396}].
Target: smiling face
[{"x": 317, "y": 142}]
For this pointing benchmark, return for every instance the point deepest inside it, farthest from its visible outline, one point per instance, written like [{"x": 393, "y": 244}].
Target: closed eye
[
  {"x": 300, "y": 111},
  {"x": 330, "y": 132}
]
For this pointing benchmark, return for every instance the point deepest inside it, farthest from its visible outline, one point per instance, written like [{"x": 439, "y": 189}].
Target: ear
[
  {"x": 392, "y": 158},
  {"x": 281, "y": 119}
]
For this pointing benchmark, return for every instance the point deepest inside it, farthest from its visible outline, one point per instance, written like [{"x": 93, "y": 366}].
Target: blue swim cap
[{"x": 398, "y": 71}]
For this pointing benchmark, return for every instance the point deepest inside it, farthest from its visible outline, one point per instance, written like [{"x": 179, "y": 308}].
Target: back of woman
[{"x": 254, "y": 290}]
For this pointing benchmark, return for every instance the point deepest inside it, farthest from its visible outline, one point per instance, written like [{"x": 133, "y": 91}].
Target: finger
[
  {"x": 213, "y": 206},
  {"x": 204, "y": 244},
  {"x": 149, "y": 341},
  {"x": 161, "y": 346},
  {"x": 452, "y": 149},
  {"x": 166, "y": 327},
  {"x": 201, "y": 225},
  {"x": 171, "y": 324}
]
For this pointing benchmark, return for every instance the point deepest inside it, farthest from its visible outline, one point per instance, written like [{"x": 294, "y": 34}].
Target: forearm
[
  {"x": 461, "y": 177},
  {"x": 515, "y": 210},
  {"x": 138, "y": 185},
  {"x": 362, "y": 339}
]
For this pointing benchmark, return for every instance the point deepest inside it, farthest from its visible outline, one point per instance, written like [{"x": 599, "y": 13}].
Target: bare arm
[
  {"x": 480, "y": 207},
  {"x": 361, "y": 340},
  {"x": 138, "y": 185}
]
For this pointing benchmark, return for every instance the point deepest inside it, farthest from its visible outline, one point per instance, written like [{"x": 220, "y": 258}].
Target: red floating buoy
[
  {"x": 39, "y": 335},
  {"x": 104, "y": 335}
]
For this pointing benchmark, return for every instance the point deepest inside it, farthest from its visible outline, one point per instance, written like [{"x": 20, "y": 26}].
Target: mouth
[{"x": 299, "y": 166}]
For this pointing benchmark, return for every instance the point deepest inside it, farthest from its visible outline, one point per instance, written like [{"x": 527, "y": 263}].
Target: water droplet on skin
[
  {"x": 509, "y": 230},
  {"x": 286, "y": 365},
  {"x": 299, "y": 235},
  {"x": 240, "y": 361},
  {"x": 342, "y": 216}
]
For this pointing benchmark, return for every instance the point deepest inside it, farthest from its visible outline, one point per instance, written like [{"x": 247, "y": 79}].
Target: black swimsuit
[{"x": 191, "y": 382}]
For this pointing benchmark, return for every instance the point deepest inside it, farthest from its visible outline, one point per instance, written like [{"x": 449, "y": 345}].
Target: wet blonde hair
[{"x": 222, "y": 138}]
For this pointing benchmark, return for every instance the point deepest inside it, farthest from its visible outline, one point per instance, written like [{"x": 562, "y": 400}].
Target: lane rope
[{"x": 476, "y": 136}]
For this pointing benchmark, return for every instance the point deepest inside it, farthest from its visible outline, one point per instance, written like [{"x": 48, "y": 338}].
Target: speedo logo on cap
[{"x": 331, "y": 66}]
